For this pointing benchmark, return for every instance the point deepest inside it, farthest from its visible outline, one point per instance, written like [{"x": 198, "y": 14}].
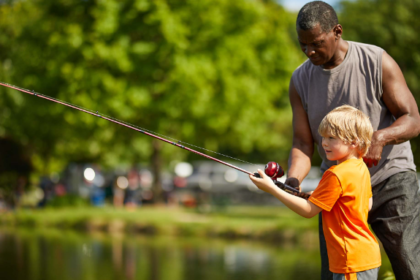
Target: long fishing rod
[{"x": 272, "y": 169}]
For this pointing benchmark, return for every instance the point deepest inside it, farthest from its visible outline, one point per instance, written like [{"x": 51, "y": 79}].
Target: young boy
[{"x": 343, "y": 195}]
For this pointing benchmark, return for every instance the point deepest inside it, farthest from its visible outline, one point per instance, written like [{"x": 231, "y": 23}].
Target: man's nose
[{"x": 309, "y": 51}]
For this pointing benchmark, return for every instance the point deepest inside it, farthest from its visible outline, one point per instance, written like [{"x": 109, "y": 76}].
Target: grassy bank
[{"x": 258, "y": 223}]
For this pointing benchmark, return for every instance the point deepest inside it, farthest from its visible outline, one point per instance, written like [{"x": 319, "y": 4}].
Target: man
[{"x": 340, "y": 72}]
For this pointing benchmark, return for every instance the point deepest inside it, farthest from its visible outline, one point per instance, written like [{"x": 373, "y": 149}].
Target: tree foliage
[
  {"x": 393, "y": 26},
  {"x": 213, "y": 73}
]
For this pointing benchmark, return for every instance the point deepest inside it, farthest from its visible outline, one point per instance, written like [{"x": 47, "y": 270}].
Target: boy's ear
[
  {"x": 355, "y": 147},
  {"x": 354, "y": 144}
]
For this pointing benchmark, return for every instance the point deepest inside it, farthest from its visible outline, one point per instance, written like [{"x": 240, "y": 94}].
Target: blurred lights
[
  {"x": 99, "y": 180},
  {"x": 122, "y": 182},
  {"x": 205, "y": 184},
  {"x": 180, "y": 182},
  {"x": 147, "y": 195},
  {"x": 146, "y": 179},
  {"x": 183, "y": 169},
  {"x": 89, "y": 174},
  {"x": 231, "y": 175},
  {"x": 55, "y": 177}
]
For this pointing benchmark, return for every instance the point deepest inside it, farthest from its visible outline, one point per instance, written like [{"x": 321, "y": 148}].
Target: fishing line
[
  {"x": 98, "y": 114},
  {"x": 272, "y": 169}
]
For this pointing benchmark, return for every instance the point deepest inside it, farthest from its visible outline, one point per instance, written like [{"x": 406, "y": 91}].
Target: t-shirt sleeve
[{"x": 328, "y": 191}]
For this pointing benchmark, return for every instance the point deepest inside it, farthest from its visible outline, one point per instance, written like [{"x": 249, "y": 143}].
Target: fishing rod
[{"x": 272, "y": 169}]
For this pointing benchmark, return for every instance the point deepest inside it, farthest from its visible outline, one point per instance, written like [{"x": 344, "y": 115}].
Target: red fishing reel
[{"x": 273, "y": 170}]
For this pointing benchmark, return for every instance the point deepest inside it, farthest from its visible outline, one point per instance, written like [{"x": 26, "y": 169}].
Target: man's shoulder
[
  {"x": 303, "y": 69},
  {"x": 366, "y": 49}
]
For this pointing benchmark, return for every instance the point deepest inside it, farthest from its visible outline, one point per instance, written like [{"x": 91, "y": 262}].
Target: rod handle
[
  {"x": 286, "y": 188},
  {"x": 291, "y": 189}
]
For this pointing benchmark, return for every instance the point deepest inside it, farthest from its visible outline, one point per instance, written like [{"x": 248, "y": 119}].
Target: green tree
[
  {"x": 212, "y": 73},
  {"x": 393, "y": 26}
]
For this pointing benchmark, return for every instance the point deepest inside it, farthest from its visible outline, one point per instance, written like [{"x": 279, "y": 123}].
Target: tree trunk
[{"x": 156, "y": 170}]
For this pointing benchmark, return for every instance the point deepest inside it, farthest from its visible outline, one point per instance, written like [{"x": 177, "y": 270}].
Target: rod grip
[
  {"x": 286, "y": 188},
  {"x": 291, "y": 189}
]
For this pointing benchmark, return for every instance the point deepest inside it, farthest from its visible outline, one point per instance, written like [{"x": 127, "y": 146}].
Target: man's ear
[{"x": 338, "y": 31}]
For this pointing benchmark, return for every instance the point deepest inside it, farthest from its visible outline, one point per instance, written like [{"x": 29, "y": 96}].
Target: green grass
[{"x": 261, "y": 223}]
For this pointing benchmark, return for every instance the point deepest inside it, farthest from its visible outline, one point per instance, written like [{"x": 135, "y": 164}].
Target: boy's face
[{"x": 338, "y": 150}]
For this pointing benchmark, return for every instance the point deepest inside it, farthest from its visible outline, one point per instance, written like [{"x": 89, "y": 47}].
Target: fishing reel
[{"x": 274, "y": 171}]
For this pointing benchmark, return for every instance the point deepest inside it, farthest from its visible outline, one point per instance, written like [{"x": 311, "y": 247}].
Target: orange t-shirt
[{"x": 343, "y": 193}]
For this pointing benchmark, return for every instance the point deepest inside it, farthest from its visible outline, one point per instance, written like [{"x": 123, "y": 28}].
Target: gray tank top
[{"x": 357, "y": 81}]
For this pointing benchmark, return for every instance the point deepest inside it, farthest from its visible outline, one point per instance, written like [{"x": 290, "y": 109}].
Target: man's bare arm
[
  {"x": 400, "y": 101},
  {"x": 303, "y": 143}
]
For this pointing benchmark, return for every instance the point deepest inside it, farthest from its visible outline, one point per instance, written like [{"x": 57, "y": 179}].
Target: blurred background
[{"x": 83, "y": 198}]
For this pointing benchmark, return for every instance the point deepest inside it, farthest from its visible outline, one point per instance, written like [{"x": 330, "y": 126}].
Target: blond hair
[{"x": 350, "y": 125}]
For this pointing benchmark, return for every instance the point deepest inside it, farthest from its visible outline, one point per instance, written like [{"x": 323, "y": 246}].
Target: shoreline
[{"x": 265, "y": 224}]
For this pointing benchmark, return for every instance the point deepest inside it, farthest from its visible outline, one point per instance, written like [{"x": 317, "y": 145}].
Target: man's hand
[
  {"x": 293, "y": 182},
  {"x": 374, "y": 154},
  {"x": 398, "y": 98}
]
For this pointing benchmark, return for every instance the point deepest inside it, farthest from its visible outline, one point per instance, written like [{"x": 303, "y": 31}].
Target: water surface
[{"x": 53, "y": 254}]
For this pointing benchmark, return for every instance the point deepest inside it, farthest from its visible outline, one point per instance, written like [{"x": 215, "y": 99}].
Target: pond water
[{"x": 53, "y": 254}]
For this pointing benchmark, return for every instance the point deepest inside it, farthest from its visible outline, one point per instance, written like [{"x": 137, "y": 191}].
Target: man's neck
[{"x": 339, "y": 55}]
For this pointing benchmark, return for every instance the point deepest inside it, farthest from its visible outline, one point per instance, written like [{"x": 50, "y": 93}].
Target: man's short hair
[
  {"x": 350, "y": 125},
  {"x": 317, "y": 12}
]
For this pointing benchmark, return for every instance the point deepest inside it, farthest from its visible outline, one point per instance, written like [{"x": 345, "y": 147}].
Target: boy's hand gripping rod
[{"x": 272, "y": 169}]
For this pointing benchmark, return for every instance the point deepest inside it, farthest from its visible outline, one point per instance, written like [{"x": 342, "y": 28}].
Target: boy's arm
[
  {"x": 370, "y": 203},
  {"x": 299, "y": 205}
]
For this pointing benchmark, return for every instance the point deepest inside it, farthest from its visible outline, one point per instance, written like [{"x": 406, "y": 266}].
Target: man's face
[{"x": 318, "y": 46}]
